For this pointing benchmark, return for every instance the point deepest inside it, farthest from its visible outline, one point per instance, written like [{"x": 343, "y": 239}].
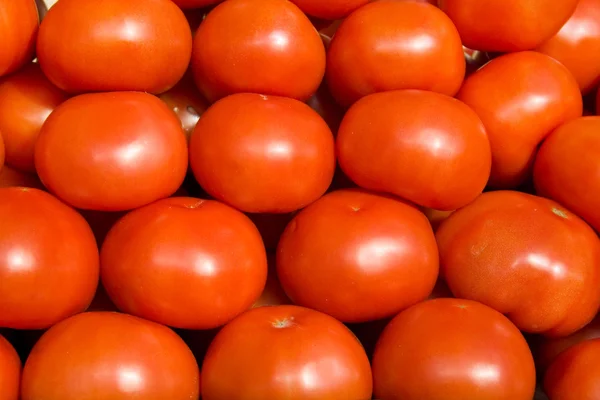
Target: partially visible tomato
[
  {"x": 185, "y": 4},
  {"x": 10, "y": 371},
  {"x": 2, "y": 153},
  {"x": 11, "y": 177},
  {"x": 331, "y": 9},
  {"x": 19, "y": 22}
]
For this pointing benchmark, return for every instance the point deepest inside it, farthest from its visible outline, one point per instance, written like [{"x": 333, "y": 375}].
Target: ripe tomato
[
  {"x": 294, "y": 352},
  {"x": 422, "y": 146},
  {"x": 18, "y": 29},
  {"x": 452, "y": 349},
  {"x": 267, "y": 47},
  {"x": 172, "y": 262},
  {"x": 520, "y": 98},
  {"x": 329, "y": 10},
  {"x": 507, "y": 25},
  {"x": 185, "y": 4},
  {"x": 48, "y": 260},
  {"x": 358, "y": 256},
  {"x": 10, "y": 371},
  {"x": 26, "y": 100},
  {"x": 114, "y": 45},
  {"x": 567, "y": 168},
  {"x": 262, "y": 154},
  {"x": 106, "y": 355},
  {"x": 525, "y": 256},
  {"x": 11, "y": 177},
  {"x": 389, "y": 45},
  {"x": 112, "y": 151}
]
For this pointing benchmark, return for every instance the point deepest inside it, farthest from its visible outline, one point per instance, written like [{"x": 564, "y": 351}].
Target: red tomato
[
  {"x": 11, "y": 177},
  {"x": 185, "y": 4},
  {"x": 26, "y": 100},
  {"x": 507, "y": 25},
  {"x": 18, "y": 29},
  {"x": 520, "y": 98},
  {"x": 262, "y": 154},
  {"x": 358, "y": 256},
  {"x": 112, "y": 151},
  {"x": 331, "y": 9},
  {"x": 389, "y": 45},
  {"x": 173, "y": 262},
  {"x": 266, "y": 46},
  {"x": 110, "y": 356},
  {"x": 567, "y": 168},
  {"x": 48, "y": 260},
  {"x": 422, "y": 146},
  {"x": 293, "y": 352},
  {"x": 114, "y": 45},
  {"x": 10, "y": 371},
  {"x": 525, "y": 256},
  {"x": 452, "y": 349}
]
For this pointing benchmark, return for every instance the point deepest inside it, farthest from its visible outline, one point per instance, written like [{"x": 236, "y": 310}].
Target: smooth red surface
[
  {"x": 10, "y": 371},
  {"x": 18, "y": 29},
  {"x": 331, "y": 9}
]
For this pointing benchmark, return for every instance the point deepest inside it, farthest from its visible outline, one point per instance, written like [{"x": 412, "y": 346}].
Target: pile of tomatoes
[{"x": 303, "y": 199}]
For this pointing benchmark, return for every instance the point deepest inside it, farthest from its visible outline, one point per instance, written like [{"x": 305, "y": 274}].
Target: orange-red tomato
[
  {"x": 507, "y": 25},
  {"x": 26, "y": 100},
  {"x": 331, "y": 9},
  {"x": 266, "y": 46},
  {"x": 389, "y": 45},
  {"x": 262, "y": 154},
  {"x": 520, "y": 98},
  {"x": 112, "y": 151},
  {"x": 358, "y": 256},
  {"x": 10, "y": 371},
  {"x": 106, "y": 355},
  {"x": 293, "y": 352},
  {"x": 48, "y": 260},
  {"x": 173, "y": 262},
  {"x": 425, "y": 147},
  {"x": 18, "y": 29},
  {"x": 452, "y": 349},
  {"x": 525, "y": 256},
  {"x": 114, "y": 45},
  {"x": 11, "y": 177},
  {"x": 185, "y": 4}
]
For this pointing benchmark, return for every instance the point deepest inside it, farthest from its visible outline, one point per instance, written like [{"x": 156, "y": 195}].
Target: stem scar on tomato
[
  {"x": 284, "y": 323},
  {"x": 560, "y": 213}
]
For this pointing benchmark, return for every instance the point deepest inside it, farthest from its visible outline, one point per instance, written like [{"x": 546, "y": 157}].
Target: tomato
[
  {"x": 106, "y": 355},
  {"x": 11, "y": 177},
  {"x": 173, "y": 262},
  {"x": 185, "y": 4},
  {"x": 507, "y": 25},
  {"x": 293, "y": 352},
  {"x": 114, "y": 45},
  {"x": 273, "y": 294},
  {"x": 389, "y": 45},
  {"x": 26, "y": 100},
  {"x": 271, "y": 227},
  {"x": 452, "y": 349},
  {"x": 567, "y": 168},
  {"x": 525, "y": 256},
  {"x": 2, "y": 153},
  {"x": 112, "y": 151},
  {"x": 268, "y": 47},
  {"x": 262, "y": 154},
  {"x": 330, "y": 10},
  {"x": 422, "y": 146},
  {"x": 520, "y": 98},
  {"x": 358, "y": 256},
  {"x": 18, "y": 29},
  {"x": 10, "y": 371},
  {"x": 48, "y": 260}
]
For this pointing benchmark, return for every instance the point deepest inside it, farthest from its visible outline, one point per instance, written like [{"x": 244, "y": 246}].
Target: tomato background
[{"x": 18, "y": 29}]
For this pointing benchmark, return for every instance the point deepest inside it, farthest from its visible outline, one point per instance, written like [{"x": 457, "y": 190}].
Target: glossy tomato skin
[
  {"x": 525, "y": 256},
  {"x": 424, "y": 147},
  {"x": 262, "y": 154},
  {"x": 507, "y": 25},
  {"x": 10, "y": 177},
  {"x": 358, "y": 256},
  {"x": 110, "y": 356},
  {"x": 452, "y": 349},
  {"x": 114, "y": 45},
  {"x": 112, "y": 151},
  {"x": 18, "y": 29},
  {"x": 295, "y": 353},
  {"x": 10, "y": 371},
  {"x": 48, "y": 260},
  {"x": 520, "y": 98},
  {"x": 267, "y": 46},
  {"x": 329, "y": 10},
  {"x": 26, "y": 99}
]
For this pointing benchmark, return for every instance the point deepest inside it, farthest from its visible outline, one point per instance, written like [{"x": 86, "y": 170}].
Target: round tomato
[
  {"x": 11, "y": 177},
  {"x": 112, "y": 151},
  {"x": 185, "y": 4},
  {"x": 331, "y": 9},
  {"x": 525, "y": 256},
  {"x": 267, "y": 47},
  {"x": 26, "y": 99},
  {"x": 10, "y": 371},
  {"x": 48, "y": 260},
  {"x": 114, "y": 45},
  {"x": 19, "y": 22},
  {"x": 106, "y": 355},
  {"x": 520, "y": 98},
  {"x": 262, "y": 154},
  {"x": 358, "y": 256},
  {"x": 422, "y": 146},
  {"x": 389, "y": 45},
  {"x": 293, "y": 352},
  {"x": 507, "y": 25},
  {"x": 452, "y": 349},
  {"x": 173, "y": 262}
]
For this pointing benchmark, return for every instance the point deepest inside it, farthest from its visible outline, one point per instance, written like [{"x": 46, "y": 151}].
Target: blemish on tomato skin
[
  {"x": 284, "y": 323},
  {"x": 560, "y": 213}
]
